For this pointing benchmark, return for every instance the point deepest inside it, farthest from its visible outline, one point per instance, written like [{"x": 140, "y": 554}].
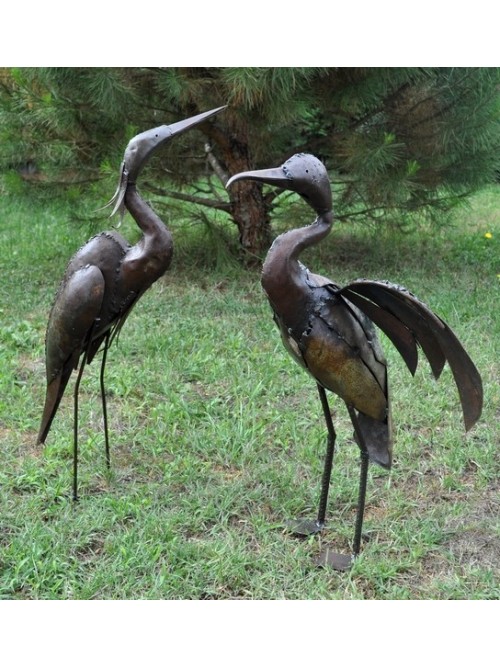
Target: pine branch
[
  {"x": 369, "y": 211},
  {"x": 192, "y": 199}
]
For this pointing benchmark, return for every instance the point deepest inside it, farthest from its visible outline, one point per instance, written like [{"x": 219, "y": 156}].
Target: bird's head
[
  {"x": 302, "y": 173},
  {"x": 141, "y": 147}
]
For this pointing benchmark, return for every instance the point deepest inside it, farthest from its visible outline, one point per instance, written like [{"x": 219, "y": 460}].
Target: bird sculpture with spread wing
[{"x": 329, "y": 330}]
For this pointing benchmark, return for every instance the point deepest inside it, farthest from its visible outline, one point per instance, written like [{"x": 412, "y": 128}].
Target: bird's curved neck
[
  {"x": 300, "y": 239},
  {"x": 148, "y": 260},
  {"x": 157, "y": 238},
  {"x": 143, "y": 214},
  {"x": 283, "y": 277}
]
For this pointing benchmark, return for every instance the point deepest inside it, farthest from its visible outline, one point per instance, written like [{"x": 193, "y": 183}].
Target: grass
[{"x": 217, "y": 436}]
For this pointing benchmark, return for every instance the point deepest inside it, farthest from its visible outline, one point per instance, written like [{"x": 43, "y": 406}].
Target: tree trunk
[
  {"x": 251, "y": 215},
  {"x": 249, "y": 208}
]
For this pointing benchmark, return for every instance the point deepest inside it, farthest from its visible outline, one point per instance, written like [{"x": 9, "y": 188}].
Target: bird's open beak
[
  {"x": 141, "y": 147},
  {"x": 276, "y": 176}
]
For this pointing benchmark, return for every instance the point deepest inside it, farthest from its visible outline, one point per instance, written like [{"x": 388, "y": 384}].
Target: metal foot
[
  {"x": 336, "y": 561},
  {"x": 305, "y": 527}
]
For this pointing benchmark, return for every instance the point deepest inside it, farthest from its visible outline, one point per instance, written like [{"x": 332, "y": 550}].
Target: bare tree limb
[
  {"x": 193, "y": 199},
  {"x": 216, "y": 165}
]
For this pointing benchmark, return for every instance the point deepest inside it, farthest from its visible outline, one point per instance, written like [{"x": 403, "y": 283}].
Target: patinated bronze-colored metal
[
  {"x": 104, "y": 280},
  {"x": 329, "y": 330}
]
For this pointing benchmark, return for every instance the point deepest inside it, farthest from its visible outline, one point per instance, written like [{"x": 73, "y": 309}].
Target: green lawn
[{"x": 217, "y": 437}]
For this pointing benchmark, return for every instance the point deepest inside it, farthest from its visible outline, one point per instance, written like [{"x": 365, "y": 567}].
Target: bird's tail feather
[
  {"x": 374, "y": 437},
  {"x": 55, "y": 391}
]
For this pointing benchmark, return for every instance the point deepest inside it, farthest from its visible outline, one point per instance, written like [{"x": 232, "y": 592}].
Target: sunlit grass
[{"x": 217, "y": 436}]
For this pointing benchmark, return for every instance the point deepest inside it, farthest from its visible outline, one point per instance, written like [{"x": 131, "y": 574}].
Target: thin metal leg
[
  {"x": 306, "y": 527},
  {"x": 330, "y": 449},
  {"x": 361, "y": 502},
  {"x": 75, "y": 428},
  {"x": 338, "y": 561},
  {"x": 83, "y": 362},
  {"x": 362, "y": 481},
  {"x": 103, "y": 400}
]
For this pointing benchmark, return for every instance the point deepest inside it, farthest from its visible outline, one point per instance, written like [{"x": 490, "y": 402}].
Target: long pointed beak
[
  {"x": 274, "y": 176},
  {"x": 183, "y": 125},
  {"x": 141, "y": 147}
]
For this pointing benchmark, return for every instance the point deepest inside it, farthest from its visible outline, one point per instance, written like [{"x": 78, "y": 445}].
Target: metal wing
[
  {"x": 408, "y": 322},
  {"x": 71, "y": 320}
]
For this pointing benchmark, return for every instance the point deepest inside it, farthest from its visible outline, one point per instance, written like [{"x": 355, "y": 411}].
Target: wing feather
[
  {"x": 434, "y": 336},
  {"x": 399, "y": 334}
]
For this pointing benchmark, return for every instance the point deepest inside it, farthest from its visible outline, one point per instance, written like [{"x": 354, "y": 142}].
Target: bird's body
[
  {"x": 331, "y": 338},
  {"x": 329, "y": 330},
  {"x": 104, "y": 280}
]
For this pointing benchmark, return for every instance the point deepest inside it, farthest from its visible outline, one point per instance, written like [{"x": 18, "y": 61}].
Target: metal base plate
[
  {"x": 304, "y": 527},
  {"x": 336, "y": 561}
]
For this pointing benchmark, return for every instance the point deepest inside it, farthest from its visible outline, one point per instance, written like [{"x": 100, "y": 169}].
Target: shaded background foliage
[{"x": 402, "y": 144}]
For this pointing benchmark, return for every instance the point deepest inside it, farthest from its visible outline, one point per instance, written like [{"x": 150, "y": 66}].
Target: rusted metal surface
[
  {"x": 105, "y": 278},
  {"x": 329, "y": 330}
]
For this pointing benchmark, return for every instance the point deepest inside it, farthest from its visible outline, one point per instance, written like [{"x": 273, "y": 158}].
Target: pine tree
[
  {"x": 407, "y": 140},
  {"x": 397, "y": 141}
]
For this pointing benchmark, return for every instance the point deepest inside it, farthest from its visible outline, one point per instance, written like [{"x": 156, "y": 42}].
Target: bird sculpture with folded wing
[{"x": 104, "y": 280}]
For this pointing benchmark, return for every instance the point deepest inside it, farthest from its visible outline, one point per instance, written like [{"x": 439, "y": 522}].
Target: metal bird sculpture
[
  {"x": 329, "y": 330},
  {"x": 103, "y": 281}
]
